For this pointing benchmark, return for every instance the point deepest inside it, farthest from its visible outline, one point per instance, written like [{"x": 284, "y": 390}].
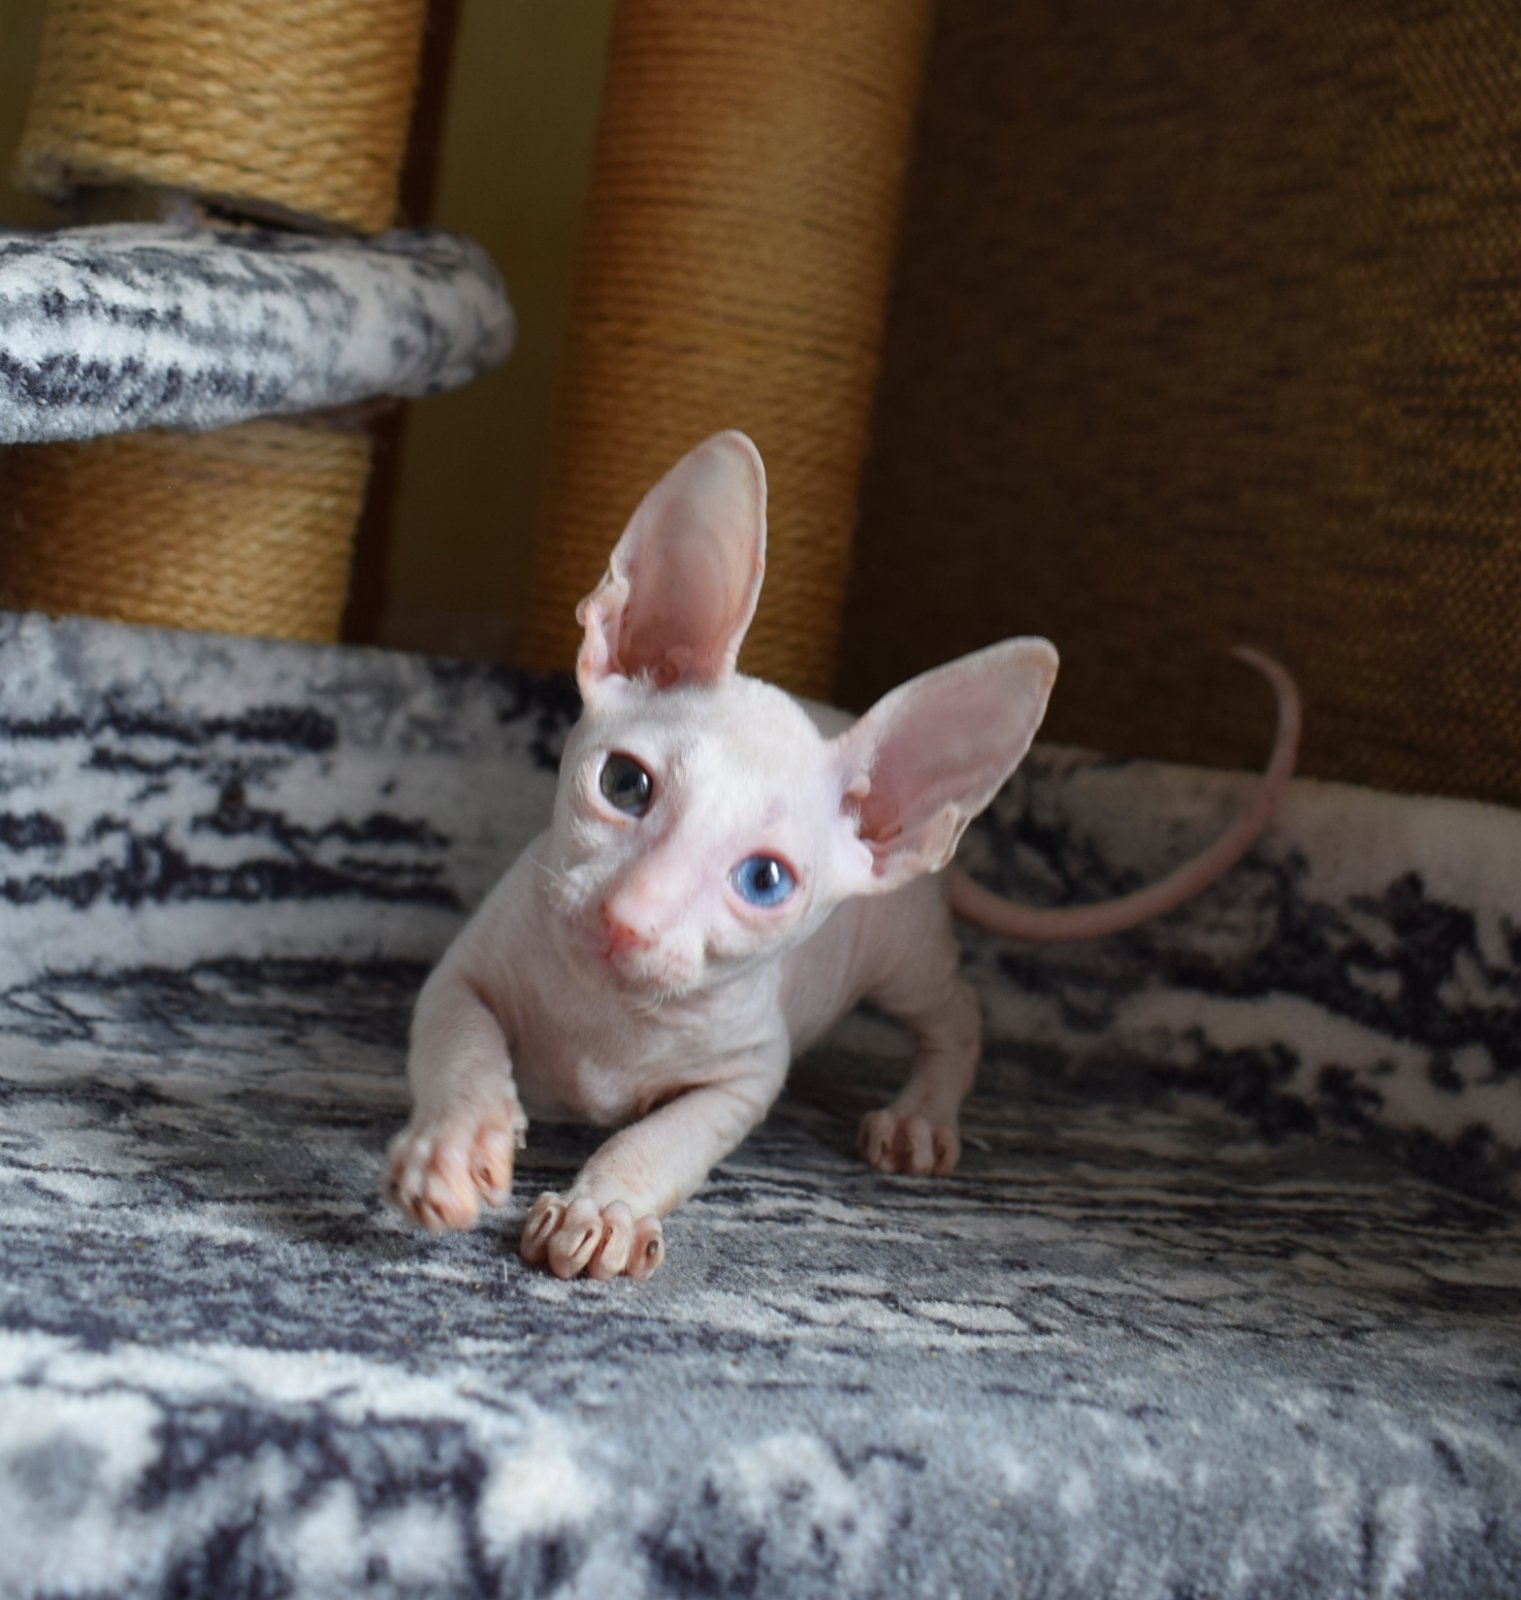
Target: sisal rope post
[
  {"x": 288, "y": 108},
  {"x": 247, "y": 530},
  {"x": 291, "y": 109},
  {"x": 741, "y": 220}
]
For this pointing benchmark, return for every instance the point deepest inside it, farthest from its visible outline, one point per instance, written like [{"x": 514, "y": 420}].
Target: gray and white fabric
[
  {"x": 1225, "y": 1299},
  {"x": 128, "y": 326}
]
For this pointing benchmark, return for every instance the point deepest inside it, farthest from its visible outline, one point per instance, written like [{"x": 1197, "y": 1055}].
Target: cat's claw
[
  {"x": 575, "y": 1236},
  {"x": 894, "y": 1141},
  {"x": 439, "y": 1174}
]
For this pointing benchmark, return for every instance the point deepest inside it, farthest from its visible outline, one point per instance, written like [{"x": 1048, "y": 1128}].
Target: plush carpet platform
[
  {"x": 1225, "y": 1301},
  {"x": 131, "y": 325}
]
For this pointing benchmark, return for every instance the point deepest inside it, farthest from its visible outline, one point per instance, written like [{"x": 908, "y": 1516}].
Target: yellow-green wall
[
  {"x": 517, "y": 146},
  {"x": 20, "y": 25}
]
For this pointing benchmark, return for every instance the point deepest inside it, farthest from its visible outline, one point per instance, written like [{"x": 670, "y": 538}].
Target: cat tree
[{"x": 244, "y": 340}]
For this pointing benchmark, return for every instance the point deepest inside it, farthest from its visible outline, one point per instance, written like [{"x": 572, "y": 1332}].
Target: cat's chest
[{"x": 605, "y": 1063}]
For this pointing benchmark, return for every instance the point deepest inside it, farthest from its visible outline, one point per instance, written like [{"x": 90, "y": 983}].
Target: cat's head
[{"x": 703, "y": 822}]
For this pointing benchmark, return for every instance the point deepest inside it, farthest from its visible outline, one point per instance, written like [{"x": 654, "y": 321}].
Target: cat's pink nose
[{"x": 621, "y": 934}]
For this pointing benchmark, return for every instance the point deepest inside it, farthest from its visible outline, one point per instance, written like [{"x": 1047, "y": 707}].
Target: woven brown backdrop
[
  {"x": 741, "y": 221},
  {"x": 1207, "y": 329}
]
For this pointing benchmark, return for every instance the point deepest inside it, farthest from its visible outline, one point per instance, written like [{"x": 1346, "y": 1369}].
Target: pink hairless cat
[{"x": 727, "y": 873}]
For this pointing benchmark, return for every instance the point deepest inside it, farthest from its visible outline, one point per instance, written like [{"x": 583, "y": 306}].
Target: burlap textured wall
[{"x": 1207, "y": 328}]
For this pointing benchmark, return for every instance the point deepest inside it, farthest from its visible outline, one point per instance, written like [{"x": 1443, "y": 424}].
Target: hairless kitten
[{"x": 727, "y": 873}]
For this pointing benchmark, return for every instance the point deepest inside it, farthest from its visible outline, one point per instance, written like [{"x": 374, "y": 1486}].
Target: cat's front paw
[
  {"x": 575, "y": 1236},
  {"x": 438, "y": 1173},
  {"x": 894, "y": 1141}
]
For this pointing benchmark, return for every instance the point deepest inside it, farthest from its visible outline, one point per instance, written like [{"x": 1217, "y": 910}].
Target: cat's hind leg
[{"x": 918, "y": 1133}]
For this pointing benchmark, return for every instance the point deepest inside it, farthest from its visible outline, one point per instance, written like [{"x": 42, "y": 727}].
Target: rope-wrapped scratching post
[
  {"x": 741, "y": 219},
  {"x": 291, "y": 108},
  {"x": 241, "y": 531}
]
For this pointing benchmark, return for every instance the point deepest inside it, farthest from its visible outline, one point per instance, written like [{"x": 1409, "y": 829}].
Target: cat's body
[
  {"x": 726, "y": 875},
  {"x": 604, "y": 1056}
]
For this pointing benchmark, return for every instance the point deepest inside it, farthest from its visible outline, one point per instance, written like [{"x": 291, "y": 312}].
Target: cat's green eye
[{"x": 626, "y": 785}]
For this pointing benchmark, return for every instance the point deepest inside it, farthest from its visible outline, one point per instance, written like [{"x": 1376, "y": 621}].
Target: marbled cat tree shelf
[{"x": 127, "y": 326}]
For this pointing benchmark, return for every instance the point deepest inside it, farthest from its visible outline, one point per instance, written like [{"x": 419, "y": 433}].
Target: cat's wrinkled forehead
[{"x": 743, "y": 727}]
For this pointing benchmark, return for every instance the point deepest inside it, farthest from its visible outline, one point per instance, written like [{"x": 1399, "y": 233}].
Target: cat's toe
[
  {"x": 428, "y": 1180},
  {"x": 572, "y": 1237},
  {"x": 915, "y": 1146},
  {"x": 491, "y": 1154},
  {"x": 648, "y": 1249},
  {"x": 439, "y": 1175}
]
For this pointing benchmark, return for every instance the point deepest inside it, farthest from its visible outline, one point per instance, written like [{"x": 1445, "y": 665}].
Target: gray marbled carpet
[{"x": 1225, "y": 1300}]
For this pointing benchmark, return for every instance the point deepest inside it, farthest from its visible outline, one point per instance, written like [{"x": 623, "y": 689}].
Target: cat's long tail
[{"x": 1057, "y": 924}]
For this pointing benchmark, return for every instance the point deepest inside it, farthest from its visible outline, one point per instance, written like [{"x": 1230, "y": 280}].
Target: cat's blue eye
[
  {"x": 626, "y": 785},
  {"x": 763, "y": 880}
]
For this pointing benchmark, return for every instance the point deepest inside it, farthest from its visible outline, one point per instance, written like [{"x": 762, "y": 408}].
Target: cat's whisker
[
  {"x": 560, "y": 885},
  {"x": 648, "y": 1005},
  {"x": 549, "y": 871}
]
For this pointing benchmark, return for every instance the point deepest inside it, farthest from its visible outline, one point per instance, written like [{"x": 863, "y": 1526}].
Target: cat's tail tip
[{"x": 1057, "y": 924}]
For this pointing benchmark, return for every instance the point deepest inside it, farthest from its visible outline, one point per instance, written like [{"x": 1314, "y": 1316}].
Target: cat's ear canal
[{"x": 682, "y": 583}]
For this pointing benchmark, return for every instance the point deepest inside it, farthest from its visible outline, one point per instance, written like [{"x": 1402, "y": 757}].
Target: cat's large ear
[
  {"x": 682, "y": 583},
  {"x": 931, "y": 755}
]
